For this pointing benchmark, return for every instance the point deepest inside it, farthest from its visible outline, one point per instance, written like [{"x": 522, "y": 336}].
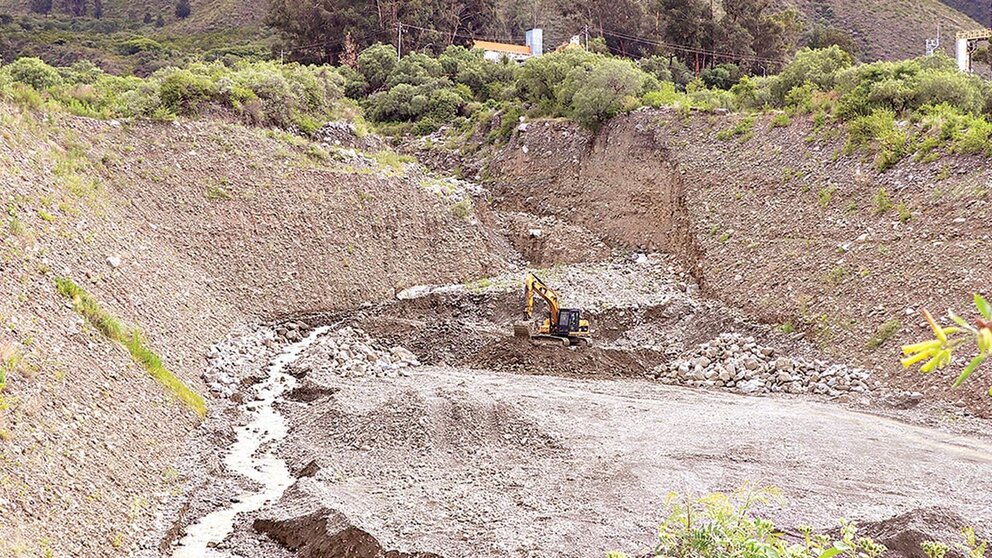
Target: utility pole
[
  {"x": 399, "y": 39},
  {"x": 586, "y": 32}
]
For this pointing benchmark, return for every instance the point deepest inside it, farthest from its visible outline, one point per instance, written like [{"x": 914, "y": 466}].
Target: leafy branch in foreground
[{"x": 938, "y": 352}]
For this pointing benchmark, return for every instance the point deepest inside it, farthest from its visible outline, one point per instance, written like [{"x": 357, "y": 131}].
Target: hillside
[
  {"x": 883, "y": 30},
  {"x": 206, "y": 16},
  {"x": 890, "y": 29},
  {"x": 975, "y": 9},
  {"x": 185, "y": 231}
]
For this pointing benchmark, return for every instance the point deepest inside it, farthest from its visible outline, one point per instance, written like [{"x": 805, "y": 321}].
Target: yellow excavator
[{"x": 563, "y": 326}]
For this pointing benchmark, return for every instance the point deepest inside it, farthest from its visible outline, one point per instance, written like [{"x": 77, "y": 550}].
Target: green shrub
[
  {"x": 184, "y": 91},
  {"x": 743, "y": 129},
  {"x": 33, "y": 72},
  {"x": 723, "y": 525},
  {"x": 721, "y": 76},
  {"x": 604, "y": 91},
  {"x": 376, "y": 64},
  {"x": 819, "y": 68},
  {"x": 781, "y": 120},
  {"x": 139, "y": 44}
]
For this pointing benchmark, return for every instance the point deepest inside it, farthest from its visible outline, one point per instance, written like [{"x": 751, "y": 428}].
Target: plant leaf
[
  {"x": 838, "y": 548},
  {"x": 959, "y": 320},
  {"x": 974, "y": 364},
  {"x": 983, "y": 306}
]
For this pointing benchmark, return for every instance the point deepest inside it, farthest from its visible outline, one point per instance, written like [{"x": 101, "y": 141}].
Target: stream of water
[{"x": 266, "y": 427}]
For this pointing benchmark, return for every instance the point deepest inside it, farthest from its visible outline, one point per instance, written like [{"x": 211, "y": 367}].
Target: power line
[{"x": 691, "y": 50}]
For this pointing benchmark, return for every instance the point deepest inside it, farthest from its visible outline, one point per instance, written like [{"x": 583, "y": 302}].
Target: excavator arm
[{"x": 533, "y": 285}]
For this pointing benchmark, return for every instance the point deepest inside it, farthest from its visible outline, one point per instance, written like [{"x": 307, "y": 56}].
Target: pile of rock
[
  {"x": 738, "y": 363},
  {"x": 239, "y": 357},
  {"x": 350, "y": 352}
]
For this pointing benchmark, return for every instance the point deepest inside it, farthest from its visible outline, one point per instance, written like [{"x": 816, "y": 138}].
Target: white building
[{"x": 497, "y": 52}]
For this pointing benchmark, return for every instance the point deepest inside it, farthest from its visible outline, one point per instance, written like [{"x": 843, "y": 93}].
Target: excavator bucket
[{"x": 521, "y": 330}]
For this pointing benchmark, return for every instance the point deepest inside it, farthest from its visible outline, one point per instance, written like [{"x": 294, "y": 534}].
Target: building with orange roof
[{"x": 497, "y": 52}]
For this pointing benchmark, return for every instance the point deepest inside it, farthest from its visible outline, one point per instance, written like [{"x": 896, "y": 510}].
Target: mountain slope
[
  {"x": 889, "y": 29},
  {"x": 206, "y": 15}
]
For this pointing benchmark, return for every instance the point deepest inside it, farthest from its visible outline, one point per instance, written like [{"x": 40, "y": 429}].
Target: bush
[
  {"x": 139, "y": 44},
  {"x": 723, "y": 76},
  {"x": 724, "y": 525},
  {"x": 376, "y": 64},
  {"x": 34, "y": 72},
  {"x": 184, "y": 91},
  {"x": 816, "y": 67},
  {"x": 610, "y": 87}
]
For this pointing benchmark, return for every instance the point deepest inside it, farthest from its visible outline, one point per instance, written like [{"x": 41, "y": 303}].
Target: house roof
[{"x": 502, "y": 47}]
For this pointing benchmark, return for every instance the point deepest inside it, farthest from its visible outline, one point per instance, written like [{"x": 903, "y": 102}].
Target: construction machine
[{"x": 563, "y": 326}]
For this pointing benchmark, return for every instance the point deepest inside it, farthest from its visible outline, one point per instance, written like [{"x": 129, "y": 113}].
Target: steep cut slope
[
  {"x": 183, "y": 230},
  {"x": 782, "y": 225}
]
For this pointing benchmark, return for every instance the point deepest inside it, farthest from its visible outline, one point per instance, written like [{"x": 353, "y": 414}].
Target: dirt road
[{"x": 468, "y": 463}]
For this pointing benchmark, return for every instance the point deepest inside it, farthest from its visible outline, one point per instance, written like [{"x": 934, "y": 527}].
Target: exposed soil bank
[
  {"x": 184, "y": 230},
  {"x": 782, "y": 226}
]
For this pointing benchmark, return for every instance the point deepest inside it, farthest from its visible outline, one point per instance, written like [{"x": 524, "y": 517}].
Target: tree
[
  {"x": 183, "y": 9},
  {"x": 41, "y": 6},
  {"x": 98, "y": 9},
  {"x": 160, "y": 21},
  {"x": 75, "y": 8},
  {"x": 822, "y": 36},
  {"x": 148, "y": 18}
]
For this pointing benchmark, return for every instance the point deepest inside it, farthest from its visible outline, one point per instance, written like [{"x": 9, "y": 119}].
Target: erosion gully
[{"x": 253, "y": 456}]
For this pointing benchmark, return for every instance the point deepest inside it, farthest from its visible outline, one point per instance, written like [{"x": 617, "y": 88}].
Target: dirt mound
[
  {"x": 328, "y": 534},
  {"x": 513, "y": 355},
  {"x": 905, "y": 534},
  {"x": 445, "y": 421}
]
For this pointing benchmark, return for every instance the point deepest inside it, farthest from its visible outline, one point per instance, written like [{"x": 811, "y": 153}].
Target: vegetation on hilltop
[{"x": 915, "y": 107}]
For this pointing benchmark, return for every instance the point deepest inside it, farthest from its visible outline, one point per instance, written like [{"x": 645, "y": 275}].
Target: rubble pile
[
  {"x": 350, "y": 352},
  {"x": 738, "y": 363}
]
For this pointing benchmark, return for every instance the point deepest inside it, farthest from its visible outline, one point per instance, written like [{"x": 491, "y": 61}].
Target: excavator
[{"x": 563, "y": 326}]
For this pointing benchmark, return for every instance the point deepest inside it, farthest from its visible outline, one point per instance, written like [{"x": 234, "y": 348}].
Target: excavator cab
[{"x": 563, "y": 326}]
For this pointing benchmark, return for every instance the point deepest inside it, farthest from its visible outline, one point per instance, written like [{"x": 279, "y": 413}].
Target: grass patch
[
  {"x": 904, "y": 214},
  {"x": 392, "y": 159},
  {"x": 10, "y": 360},
  {"x": 883, "y": 202},
  {"x": 132, "y": 339},
  {"x": 825, "y": 195},
  {"x": 781, "y": 120},
  {"x": 836, "y": 276},
  {"x": 787, "y": 328},
  {"x": 744, "y": 129},
  {"x": 463, "y": 209},
  {"x": 885, "y": 331},
  {"x": 215, "y": 192}
]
